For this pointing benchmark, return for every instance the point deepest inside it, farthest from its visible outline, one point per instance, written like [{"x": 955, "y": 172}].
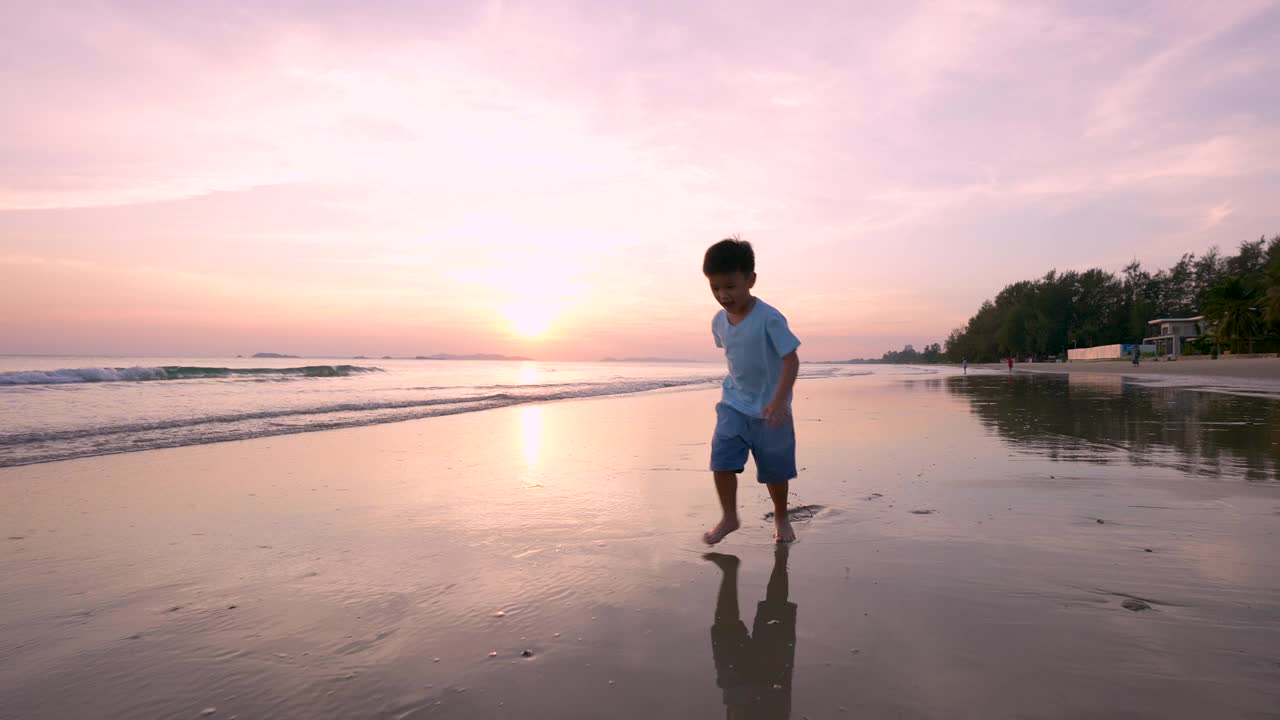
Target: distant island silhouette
[
  {"x": 481, "y": 356},
  {"x": 273, "y": 355},
  {"x": 649, "y": 360}
]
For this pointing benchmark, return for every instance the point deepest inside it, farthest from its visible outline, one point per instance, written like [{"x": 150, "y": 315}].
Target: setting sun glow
[{"x": 529, "y": 320}]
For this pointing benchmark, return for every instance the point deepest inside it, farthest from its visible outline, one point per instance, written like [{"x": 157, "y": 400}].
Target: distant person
[
  {"x": 754, "y": 671},
  {"x": 754, "y": 412},
  {"x": 1136, "y": 355},
  {"x": 964, "y": 364},
  {"x": 1010, "y": 363}
]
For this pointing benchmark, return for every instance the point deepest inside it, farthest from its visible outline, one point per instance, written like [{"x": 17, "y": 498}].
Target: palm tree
[
  {"x": 1233, "y": 312},
  {"x": 1271, "y": 301}
]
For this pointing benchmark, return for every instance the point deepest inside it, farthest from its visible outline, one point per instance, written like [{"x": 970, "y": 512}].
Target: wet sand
[
  {"x": 1038, "y": 546},
  {"x": 1266, "y": 369}
]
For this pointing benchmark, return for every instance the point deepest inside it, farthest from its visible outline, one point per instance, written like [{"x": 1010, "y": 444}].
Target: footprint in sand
[
  {"x": 800, "y": 512},
  {"x": 1136, "y": 603}
]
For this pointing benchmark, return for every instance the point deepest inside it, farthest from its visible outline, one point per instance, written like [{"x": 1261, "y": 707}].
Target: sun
[{"x": 529, "y": 320}]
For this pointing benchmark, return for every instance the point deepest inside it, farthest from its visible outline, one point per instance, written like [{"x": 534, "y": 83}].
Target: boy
[{"x": 754, "y": 412}]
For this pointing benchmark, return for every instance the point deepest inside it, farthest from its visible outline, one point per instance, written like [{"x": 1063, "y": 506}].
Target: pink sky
[{"x": 378, "y": 178}]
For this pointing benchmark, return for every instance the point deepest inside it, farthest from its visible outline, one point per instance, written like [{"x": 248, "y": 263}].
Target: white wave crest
[{"x": 81, "y": 375}]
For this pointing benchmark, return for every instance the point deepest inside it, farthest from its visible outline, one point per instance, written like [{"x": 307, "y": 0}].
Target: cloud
[
  {"x": 1168, "y": 59},
  {"x": 947, "y": 148},
  {"x": 1218, "y": 213}
]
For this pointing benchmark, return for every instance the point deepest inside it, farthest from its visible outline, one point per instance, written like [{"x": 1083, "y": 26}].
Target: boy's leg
[
  {"x": 728, "y": 456},
  {"x": 775, "y": 453},
  {"x": 783, "y": 532},
  {"x": 727, "y": 491}
]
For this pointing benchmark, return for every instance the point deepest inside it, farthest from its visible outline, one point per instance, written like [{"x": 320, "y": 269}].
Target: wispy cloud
[
  {"x": 1218, "y": 213},
  {"x": 907, "y": 155}
]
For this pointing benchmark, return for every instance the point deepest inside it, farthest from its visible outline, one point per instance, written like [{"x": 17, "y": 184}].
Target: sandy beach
[
  {"x": 1245, "y": 368},
  {"x": 974, "y": 547}
]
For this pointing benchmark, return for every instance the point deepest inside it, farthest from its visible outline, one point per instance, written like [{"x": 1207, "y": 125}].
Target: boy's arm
[{"x": 775, "y": 413}]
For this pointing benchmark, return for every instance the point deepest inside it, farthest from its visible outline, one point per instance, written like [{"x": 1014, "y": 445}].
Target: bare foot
[
  {"x": 782, "y": 530},
  {"x": 723, "y": 528}
]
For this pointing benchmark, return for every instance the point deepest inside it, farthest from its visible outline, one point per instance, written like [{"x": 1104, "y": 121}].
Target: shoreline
[{"x": 1266, "y": 369}]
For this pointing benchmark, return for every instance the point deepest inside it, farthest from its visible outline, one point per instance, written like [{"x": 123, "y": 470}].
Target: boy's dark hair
[{"x": 729, "y": 255}]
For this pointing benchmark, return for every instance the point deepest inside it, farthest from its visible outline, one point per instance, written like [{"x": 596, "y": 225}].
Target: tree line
[{"x": 1239, "y": 295}]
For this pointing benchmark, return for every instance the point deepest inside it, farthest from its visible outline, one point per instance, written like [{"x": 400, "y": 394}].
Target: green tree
[
  {"x": 1209, "y": 270},
  {"x": 1063, "y": 310},
  {"x": 1139, "y": 304},
  {"x": 1251, "y": 262},
  {"x": 954, "y": 348},
  {"x": 1233, "y": 313},
  {"x": 1271, "y": 298}
]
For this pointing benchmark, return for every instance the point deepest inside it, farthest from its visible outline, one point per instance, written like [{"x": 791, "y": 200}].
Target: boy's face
[{"x": 732, "y": 290}]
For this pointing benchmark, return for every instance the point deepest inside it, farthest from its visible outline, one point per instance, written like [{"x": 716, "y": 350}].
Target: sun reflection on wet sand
[{"x": 531, "y": 433}]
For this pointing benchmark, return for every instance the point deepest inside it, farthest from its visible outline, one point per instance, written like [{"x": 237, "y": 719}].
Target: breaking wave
[{"x": 173, "y": 372}]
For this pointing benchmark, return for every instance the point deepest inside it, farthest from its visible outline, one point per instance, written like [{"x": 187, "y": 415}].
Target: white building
[
  {"x": 1169, "y": 335},
  {"x": 1108, "y": 352}
]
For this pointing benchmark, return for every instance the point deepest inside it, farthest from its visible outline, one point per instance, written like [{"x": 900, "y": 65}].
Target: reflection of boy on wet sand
[{"x": 754, "y": 671}]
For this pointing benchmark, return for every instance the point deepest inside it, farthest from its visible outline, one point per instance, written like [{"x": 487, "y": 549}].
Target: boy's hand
[{"x": 776, "y": 413}]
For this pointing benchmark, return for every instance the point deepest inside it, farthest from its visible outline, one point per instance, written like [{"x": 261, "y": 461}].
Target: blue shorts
[{"x": 773, "y": 448}]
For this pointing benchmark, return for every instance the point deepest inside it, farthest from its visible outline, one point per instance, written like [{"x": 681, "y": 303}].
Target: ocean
[{"x": 58, "y": 408}]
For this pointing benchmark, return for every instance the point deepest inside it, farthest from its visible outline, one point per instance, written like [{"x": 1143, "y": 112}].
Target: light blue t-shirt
[{"x": 754, "y": 348}]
